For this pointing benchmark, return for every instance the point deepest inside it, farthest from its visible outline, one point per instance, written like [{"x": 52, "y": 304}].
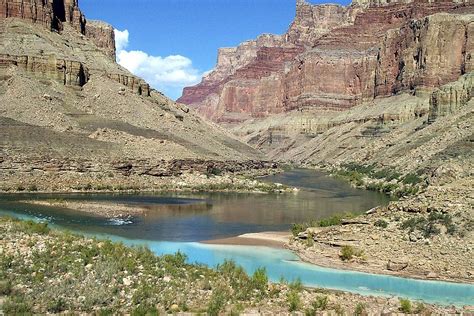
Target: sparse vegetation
[
  {"x": 430, "y": 226},
  {"x": 405, "y": 306},
  {"x": 360, "y": 309},
  {"x": 381, "y": 223},
  {"x": 349, "y": 252},
  {"x": 334, "y": 220},
  {"x": 294, "y": 301}
]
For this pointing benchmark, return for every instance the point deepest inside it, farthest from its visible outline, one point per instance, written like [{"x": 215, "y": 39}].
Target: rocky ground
[
  {"x": 429, "y": 236},
  {"x": 48, "y": 271}
]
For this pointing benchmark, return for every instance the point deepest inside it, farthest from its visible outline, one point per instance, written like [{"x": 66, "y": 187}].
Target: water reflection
[{"x": 205, "y": 216}]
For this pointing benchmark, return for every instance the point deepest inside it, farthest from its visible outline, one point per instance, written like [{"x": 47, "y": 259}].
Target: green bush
[
  {"x": 57, "y": 305},
  {"x": 360, "y": 309},
  {"x": 381, "y": 223},
  {"x": 145, "y": 310},
  {"x": 294, "y": 301},
  {"x": 213, "y": 171},
  {"x": 260, "y": 280},
  {"x": 411, "y": 178},
  {"x": 347, "y": 252},
  {"x": 298, "y": 228},
  {"x": 428, "y": 227},
  {"x": 32, "y": 227},
  {"x": 296, "y": 285},
  {"x": 405, "y": 306},
  {"x": 331, "y": 221},
  {"x": 16, "y": 305},
  {"x": 5, "y": 287},
  {"x": 216, "y": 304},
  {"x": 320, "y": 303}
]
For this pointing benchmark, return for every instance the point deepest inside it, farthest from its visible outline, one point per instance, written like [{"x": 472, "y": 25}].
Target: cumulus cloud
[
  {"x": 168, "y": 74},
  {"x": 121, "y": 39}
]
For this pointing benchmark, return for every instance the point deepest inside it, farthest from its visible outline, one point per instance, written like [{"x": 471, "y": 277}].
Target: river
[{"x": 179, "y": 221}]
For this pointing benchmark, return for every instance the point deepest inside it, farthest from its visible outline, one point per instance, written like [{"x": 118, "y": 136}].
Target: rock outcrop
[
  {"x": 66, "y": 72},
  {"x": 102, "y": 34},
  {"x": 336, "y": 57},
  {"x": 50, "y": 13}
]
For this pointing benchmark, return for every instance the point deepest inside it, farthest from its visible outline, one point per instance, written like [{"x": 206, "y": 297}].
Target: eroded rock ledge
[{"x": 335, "y": 58}]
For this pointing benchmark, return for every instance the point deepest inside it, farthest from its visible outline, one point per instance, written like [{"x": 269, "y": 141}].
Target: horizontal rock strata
[{"x": 335, "y": 58}]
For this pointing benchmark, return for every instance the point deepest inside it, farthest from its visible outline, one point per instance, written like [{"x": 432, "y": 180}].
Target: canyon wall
[
  {"x": 50, "y": 13},
  {"x": 42, "y": 62},
  {"x": 102, "y": 34},
  {"x": 334, "y": 58},
  {"x": 54, "y": 13}
]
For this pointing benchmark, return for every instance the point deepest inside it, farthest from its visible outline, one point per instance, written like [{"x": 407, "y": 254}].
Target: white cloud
[
  {"x": 121, "y": 39},
  {"x": 168, "y": 74}
]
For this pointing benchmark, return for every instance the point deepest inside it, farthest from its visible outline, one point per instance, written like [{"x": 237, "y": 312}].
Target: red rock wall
[
  {"x": 377, "y": 50},
  {"x": 49, "y": 13},
  {"x": 102, "y": 34}
]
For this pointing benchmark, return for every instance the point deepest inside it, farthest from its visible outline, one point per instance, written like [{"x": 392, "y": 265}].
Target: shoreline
[
  {"x": 274, "y": 239},
  {"x": 281, "y": 240}
]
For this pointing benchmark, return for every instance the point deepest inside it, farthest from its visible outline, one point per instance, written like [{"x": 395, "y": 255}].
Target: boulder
[{"x": 397, "y": 265}]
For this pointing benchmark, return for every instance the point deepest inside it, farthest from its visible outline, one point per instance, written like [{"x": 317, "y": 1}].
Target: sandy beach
[{"x": 267, "y": 239}]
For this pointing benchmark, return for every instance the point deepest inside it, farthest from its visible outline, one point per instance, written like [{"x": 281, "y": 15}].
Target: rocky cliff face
[
  {"x": 54, "y": 14},
  {"x": 39, "y": 58},
  {"x": 102, "y": 34},
  {"x": 335, "y": 57},
  {"x": 50, "y": 13},
  {"x": 68, "y": 111}
]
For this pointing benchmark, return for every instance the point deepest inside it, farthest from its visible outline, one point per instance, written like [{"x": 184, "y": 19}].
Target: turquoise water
[
  {"x": 283, "y": 263},
  {"x": 184, "y": 220}
]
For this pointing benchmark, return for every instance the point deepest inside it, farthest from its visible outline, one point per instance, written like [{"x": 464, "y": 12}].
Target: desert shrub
[
  {"x": 216, "y": 304},
  {"x": 32, "y": 188},
  {"x": 213, "y": 171},
  {"x": 144, "y": 310},
  {"x": 296, "y": 285},
  {"x": 57, "y": 305},
  {"x": 359, "y": 168},
  {"x": 320, "y": 303},
  {"x": 16, "y": 305},
  {"x": 260, "y": 280},
  {"x": 381, "y": 223},
  {"x": 360, "y": 309},
  {"x": 331, "y": 221},
  {"x": 294, "y": 301},
  {"x": 428, "y": 227},
  {"x": 411, "y": 178},
  {"x": 420, "y": 308},
  {"x": 405, "y": 306},
  {"x": 386, "y": 174},
  {"x": 413, "y": 223},
  {"x": 298, "y": 228},
  {"x": 348, "y": 252},
  {"x": 31, "y": 227},
  {"x": 5, "y": 287}
]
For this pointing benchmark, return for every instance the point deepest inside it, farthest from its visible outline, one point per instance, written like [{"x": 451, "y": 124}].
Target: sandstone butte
[{"x": 335, "y": 58}]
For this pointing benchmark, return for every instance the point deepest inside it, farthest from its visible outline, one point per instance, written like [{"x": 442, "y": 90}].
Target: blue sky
[{"x": 171, "y": 43}]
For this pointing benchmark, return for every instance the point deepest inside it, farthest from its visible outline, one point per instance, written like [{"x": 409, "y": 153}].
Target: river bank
[
  {"x": 50, "y": 271},
  {"x": 426, "y": 236}
]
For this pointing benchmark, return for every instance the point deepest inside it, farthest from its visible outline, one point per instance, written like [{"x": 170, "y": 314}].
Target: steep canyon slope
[
  {"x": 69, "y": 114},
  {"x": 380, "y": 92}
]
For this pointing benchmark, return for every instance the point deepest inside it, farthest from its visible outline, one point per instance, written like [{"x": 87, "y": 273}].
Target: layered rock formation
[
  {"x": 71, "y": 116},
  {"x": 66, "y": 72},
  {"x": 50, "y": 13},
  {"x": 102, "y": 34},
  {"x": 335, "y": 57}
]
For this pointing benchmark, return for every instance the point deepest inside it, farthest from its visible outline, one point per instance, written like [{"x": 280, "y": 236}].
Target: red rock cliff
[
  {"x": 335, "y": 57},
  {"x": 54, "y": 13}
]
